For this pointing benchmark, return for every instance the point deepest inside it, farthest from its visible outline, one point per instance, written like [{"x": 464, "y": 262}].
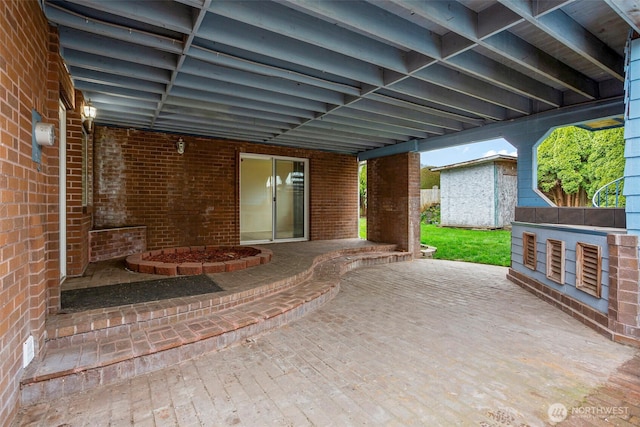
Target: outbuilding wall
[
  {"x": 466, "y": 197},
  {"x": 481, "y": 195}
]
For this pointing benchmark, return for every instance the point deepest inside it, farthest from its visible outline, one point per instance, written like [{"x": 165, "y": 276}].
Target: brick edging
[
  {"x": 34, "y": 390},
  {"x": 318, "y": 287},
  {"x": 586, "y": 315},
  {"x": 140, "y": 263},
  {"x": 65, "y": 330},
  {"x": 579, "y": 311}
]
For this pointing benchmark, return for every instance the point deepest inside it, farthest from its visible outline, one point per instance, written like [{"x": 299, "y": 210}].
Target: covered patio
[
  {"x": 107, "y": 343},
  {"x": 131, "y": 126},
  {"x": 426, "y": 342}
]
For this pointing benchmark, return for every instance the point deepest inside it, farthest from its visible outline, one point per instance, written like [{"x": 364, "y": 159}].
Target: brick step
[
  {"x": 63, "y": 330},
  {"x": 68, "y": 369}
]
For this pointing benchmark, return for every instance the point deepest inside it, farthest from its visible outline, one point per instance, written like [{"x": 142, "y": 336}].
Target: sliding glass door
[{"x": 273, "y": 198}]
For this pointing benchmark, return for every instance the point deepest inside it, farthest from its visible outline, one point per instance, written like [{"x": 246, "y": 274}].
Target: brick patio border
[{"x": 140, "y": 262}]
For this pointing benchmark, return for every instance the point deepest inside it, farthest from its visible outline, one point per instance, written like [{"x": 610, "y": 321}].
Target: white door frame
[
  {"x": 62, "y": 190},
  {"x": 274, "y": 204}
]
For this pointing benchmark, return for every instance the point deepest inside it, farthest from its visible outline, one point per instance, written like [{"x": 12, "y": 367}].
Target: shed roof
[{"x": 488, "y": 159}]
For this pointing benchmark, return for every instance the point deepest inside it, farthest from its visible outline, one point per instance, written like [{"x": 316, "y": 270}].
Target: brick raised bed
[{"x": 144, "y": 263}]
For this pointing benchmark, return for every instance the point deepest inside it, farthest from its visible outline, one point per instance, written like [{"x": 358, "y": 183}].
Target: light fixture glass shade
[{"x": 89, "y": 111}]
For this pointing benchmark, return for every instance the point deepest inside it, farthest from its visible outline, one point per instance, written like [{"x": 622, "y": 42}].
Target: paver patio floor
[{"x": 422, "y": 343}]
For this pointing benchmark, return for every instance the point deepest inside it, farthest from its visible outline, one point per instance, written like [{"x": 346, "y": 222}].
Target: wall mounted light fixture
[
  {"x": 180, "y": 146},
  {"x": 44, "y": 133},
  {"x": 88, "y": 115}
]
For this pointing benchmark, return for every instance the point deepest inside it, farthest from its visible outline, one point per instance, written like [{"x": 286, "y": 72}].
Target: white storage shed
[{"x": 479, "y": 193}]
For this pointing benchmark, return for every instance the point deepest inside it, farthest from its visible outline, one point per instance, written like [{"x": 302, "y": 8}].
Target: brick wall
[
  {"x": 393, "y": 201},
  {"x": 79, "y": 219},
  {"x": 29, "y": 265},
  {"x": 624, "y": 305},
  {"x": 113, "y": 243},
  {"x": 193, "y": 198}
]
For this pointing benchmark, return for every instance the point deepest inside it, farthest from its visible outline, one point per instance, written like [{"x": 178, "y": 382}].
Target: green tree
[
  {"x": 429, "y": 178},
  {"x": 573, "y": 163},
  {"x": 607, "y": 160},
  {"x": 362, "y": 178}
]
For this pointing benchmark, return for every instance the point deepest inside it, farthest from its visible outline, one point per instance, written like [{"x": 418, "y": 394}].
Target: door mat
[{"x": 136, "y": 292}]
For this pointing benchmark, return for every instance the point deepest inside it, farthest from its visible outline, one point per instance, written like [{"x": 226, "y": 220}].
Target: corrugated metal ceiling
[{"x": 342, "y": 76}]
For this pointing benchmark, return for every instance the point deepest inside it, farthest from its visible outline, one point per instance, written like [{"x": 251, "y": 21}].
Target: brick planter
[{"x": 141, "y": 263}]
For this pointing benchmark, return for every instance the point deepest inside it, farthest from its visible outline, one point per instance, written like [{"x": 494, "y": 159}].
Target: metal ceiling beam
[
  {"x": 197, "y": 21},
  {"x": 117, "y": 91},
  {"x": 534, "y": 59},
  {"x": 75, "y": 21},
  {"x": 339, "y": 135},
  {"x": 353, "y": 128},
  {"x": 374, "y": 106},
  {"x": 236, "y": 63},
  {"x": 106, "y": 108},
  {"x": 163, "y": 14},
  {"x": 274, "y": 84},
  {"x": 196, "y": 127},
  {"x": 322, "y": 145},
  {"x": 533, "y": 124},
  {"x": 564, "y": 29},
  {"x": 464, "y": 22},
  {"x": 450, "y": 118},
  {"x": 116, "y": 80},
  {"x": 207, "y": 118},
  {"x": 502, "y": 76},
  {"x": 95, "y": 62},
  {"x": 399, "y": 132},
  {"x": 409, "y": 126},
  {"x": 189, "y": 97},
  {"x": 374, "y": 22},
  {"x": 319, "y": 146},
  {"x": 346, "y": 145},
  {"x": 221, "y": 87},
  {"x": 479, "y": 89},
  {"x": 111, "y": 48},
  {"x": 436, "y": 94},
  {"x": 233, "y": 33},
  {"x": 115, "y": 101},
  {"x": 309, "y": 30},
  {"x": 496, "y": 19}
]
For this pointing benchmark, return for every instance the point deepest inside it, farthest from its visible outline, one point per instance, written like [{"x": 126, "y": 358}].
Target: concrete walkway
[{"x": 424, "y": 343}]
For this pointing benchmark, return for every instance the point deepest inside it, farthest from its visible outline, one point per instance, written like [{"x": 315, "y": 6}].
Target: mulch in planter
[{"x": 136, "y": 292}]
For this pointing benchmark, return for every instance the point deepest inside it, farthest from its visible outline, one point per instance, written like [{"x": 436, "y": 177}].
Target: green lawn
[{"x": 479, "y": 246}]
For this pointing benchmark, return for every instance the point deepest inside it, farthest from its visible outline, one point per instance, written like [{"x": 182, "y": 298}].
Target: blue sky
[{"x": 463, "y": 153}]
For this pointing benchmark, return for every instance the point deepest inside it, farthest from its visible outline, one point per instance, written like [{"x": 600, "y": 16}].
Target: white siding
[{"x": 467, "y": 196}]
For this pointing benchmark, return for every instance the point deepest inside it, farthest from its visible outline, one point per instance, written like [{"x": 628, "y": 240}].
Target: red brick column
[
  {"x": 393, "y": 201},
  {"x": 624, "y": 311}
]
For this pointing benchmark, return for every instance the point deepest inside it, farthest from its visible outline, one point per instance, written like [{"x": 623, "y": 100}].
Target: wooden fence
[{"x": 430, "y": 197}]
